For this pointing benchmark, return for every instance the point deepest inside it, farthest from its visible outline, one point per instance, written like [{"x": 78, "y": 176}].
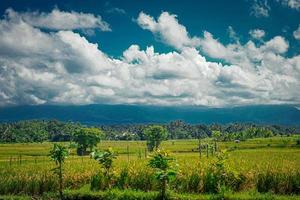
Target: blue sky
[
  {"x": 214, "y": 16},
  {"x": 208, "y": 53}
]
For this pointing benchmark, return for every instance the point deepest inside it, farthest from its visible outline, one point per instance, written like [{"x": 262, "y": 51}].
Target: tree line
[{"x": 54, "y": 130}]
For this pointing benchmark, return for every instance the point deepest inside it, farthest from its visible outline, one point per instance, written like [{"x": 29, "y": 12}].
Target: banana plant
[
  {"x": 105, "y": 159},
  {"x": 162, "y": 162},
  {"x": 58, "y": 154}
]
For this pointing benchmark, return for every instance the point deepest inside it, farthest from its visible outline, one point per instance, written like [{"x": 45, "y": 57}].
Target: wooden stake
[
  {"x": 127, "y": 152},
  {"x": 207, "y": 150}
]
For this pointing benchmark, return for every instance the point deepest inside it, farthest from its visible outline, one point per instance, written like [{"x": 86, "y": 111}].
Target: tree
[
  {"x": 155, "y": 135},
  {"x": 58, "y": 154},
  {"x": 216, "y": 135},
  {"x": 87, "y": 138},
  {"x": 105, "y": 159},
  {"x": 161, "y": 161},
  {"x": 264, "y": 132}
]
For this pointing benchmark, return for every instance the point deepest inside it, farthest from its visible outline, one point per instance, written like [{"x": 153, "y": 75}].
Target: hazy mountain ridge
[{"x": 121, "y": 114}]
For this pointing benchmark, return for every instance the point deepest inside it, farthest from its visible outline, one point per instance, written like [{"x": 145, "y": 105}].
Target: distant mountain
[{"x": 116, "y": 114}]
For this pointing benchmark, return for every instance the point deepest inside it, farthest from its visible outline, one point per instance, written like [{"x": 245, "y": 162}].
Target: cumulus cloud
[
  {"x": 234, "y": 53},
  {"x": 296, "y": 33},
  {"x": 255, "y": 62},
  {"x": 60, "y": 20},
  {"x": 63, "y": 67},
  {"x": 260, "y": 8},
  {"x": 168, "y": 28},
  {"x": 257, "y": 34}
]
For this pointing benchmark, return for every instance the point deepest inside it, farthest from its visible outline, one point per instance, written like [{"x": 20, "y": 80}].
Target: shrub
[
  {"x": 219, "y": 176},
  {"x": 122, "y": 181},
  {"x": 278, "y": 183},
  {"x": 97, "y": 182},
  {"x": 141, "y": 178}
]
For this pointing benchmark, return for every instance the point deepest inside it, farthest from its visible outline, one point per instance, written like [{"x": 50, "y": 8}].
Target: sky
[{"x": 215, "y": 53}]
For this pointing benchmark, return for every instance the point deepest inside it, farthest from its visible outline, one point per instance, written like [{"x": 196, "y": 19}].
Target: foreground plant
[
  {"x": 58, "y": 154},
  {"x": 105, "y": 159},
  {"x": 162, "y": 162}
]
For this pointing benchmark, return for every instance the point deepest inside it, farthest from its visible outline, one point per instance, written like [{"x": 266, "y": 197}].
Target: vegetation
[
  {"x": 58, "y": 154},
  {"x": 252, "y": 165},
  {"x": 161, "y": 162},
  {"x": 85, "y": 193},
  {"x": 37, "y": 131},
  {"x": 155, "y": 135},
  {"x": 262, "y": 161},
  {"x": 87, "y": 138},
  {"x": 105, "y": 159},
  {"x": 55, "y": 131}
]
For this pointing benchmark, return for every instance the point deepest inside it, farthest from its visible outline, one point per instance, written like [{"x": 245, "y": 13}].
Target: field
[{"x": 266, "y": 165}]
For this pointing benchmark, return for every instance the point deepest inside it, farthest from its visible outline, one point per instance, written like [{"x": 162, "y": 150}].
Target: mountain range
[{"x": 129, "y": 114}]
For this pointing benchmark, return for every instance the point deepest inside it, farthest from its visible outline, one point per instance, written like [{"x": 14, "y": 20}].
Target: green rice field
[{"x": 264, "y": 165}]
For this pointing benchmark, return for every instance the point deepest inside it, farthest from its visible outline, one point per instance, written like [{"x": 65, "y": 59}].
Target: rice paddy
[{"x": 26, "y": 168}]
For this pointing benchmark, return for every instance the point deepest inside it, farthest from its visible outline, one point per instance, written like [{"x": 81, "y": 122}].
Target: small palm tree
[{"x": 58, "y": 154}]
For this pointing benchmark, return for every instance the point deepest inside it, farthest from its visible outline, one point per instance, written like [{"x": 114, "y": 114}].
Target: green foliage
[
  {"x": 241, "y": 168},
  {"x": 37, "y": 131},
  {"x": 87, "y": 138},
  {"x": 248, "y": 133},
  {"x": 24, "y": 131},
  {"x": 98, "y": 182},
  {"x": 122, "y": 181},
  {"x": 279, "y": 183},
  {"x": 220, "y": 176},
  {"x": 155, "y": 135},
  {"x": 105, "y": 159},
  {"x": 58, "y": 154},
  {"x": 161, "y": 162},
  {"x": 216, "y": 135},
  {"x": 61, "y": 131},
  {"x": 111, "y": 195},
  {"x": 55, "y": 131},
  {"x": 86, "y": 194},
  {"x": 15, "y": 198}
]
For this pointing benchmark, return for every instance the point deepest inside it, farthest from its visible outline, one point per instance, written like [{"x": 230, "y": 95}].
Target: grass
[
  {"x": 25, "y": 168},
  {"x": 115, "y": 194}
]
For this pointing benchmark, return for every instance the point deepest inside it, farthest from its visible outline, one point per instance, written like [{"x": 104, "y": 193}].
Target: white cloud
[
  {"x": 260, "y": 8},
  {"x": 296, "y": 33},
  {"x": 232, "y": 34},
  {"x": 63, "y": 67},
  {"x": 293, "y": 4},
  {"x": 212, "y": 47},
  {"x": 60, "y": 20},
  {"x": 168, "y": 28},
  {"x": 276, "y": 45},
  {"x": 257, "y": 33},
  {"x": 117, "y": 11}
]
